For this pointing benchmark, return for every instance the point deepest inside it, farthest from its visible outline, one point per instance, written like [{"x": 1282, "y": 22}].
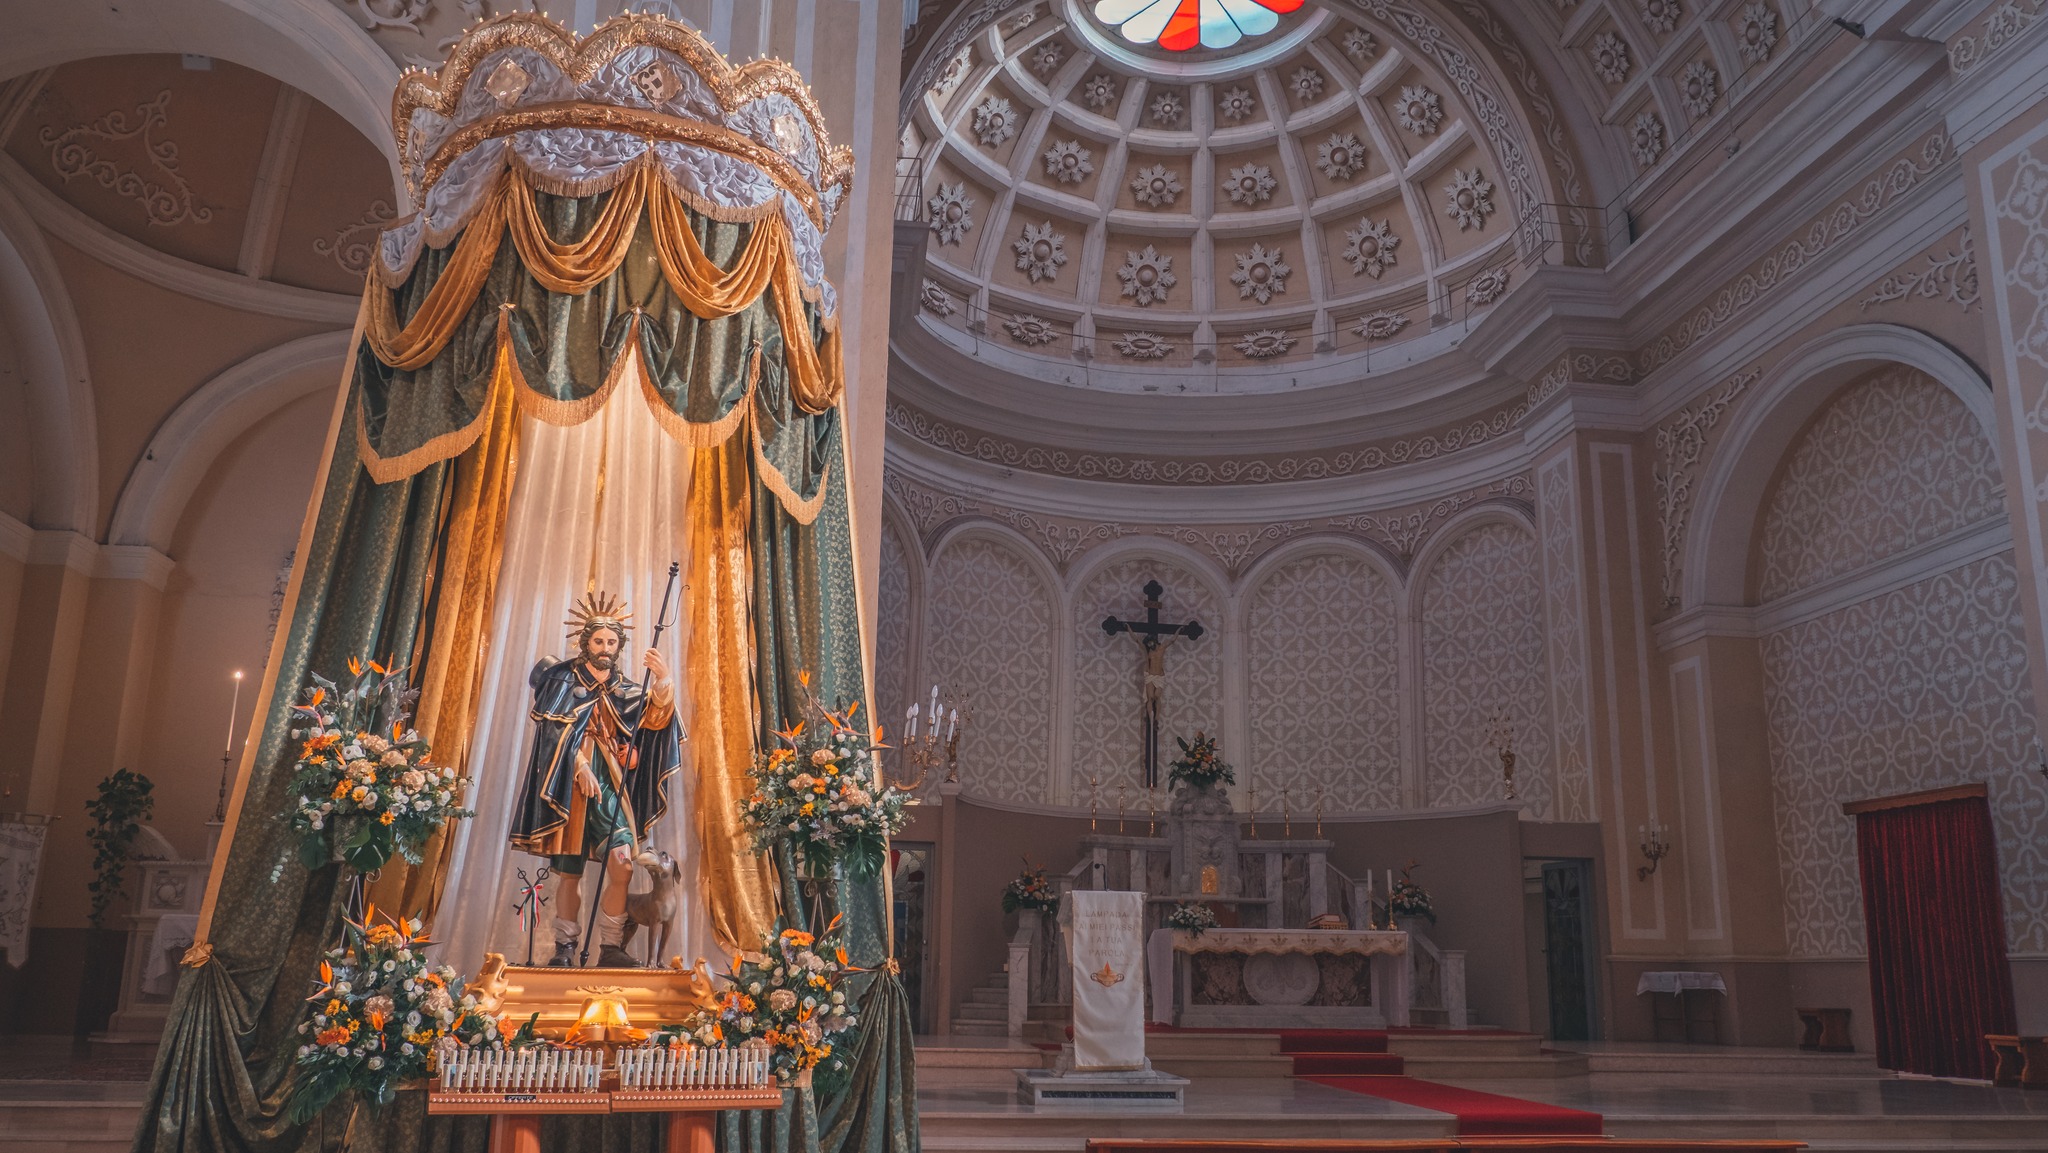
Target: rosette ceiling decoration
[{"x": 1279, "y": 187}]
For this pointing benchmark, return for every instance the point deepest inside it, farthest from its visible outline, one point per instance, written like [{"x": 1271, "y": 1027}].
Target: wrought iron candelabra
[
  {"x": 1655, "y": 844},
  {"x": 931, "y": 737}
]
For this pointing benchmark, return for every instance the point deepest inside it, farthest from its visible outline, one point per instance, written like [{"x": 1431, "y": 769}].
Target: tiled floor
[{"x": 1213, "y": 1098}]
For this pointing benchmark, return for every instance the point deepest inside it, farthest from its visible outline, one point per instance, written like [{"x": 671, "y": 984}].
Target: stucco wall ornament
[
  {"x": 1757, "y": 33},
  {"x": 1610, "y": 58},
  {"x": 933, "y": 298},
  {"x": 1845, "y": 218},
  {"x": 1146, "y": 275},
  {"x": 1646, "y": 137},
  {"x": 1306, "y": 84},
  {"x": 1370, "y": 247},
  {"x": 1419, "y": 110},
  {"x": 1234, "y": 549},
  {"x": 1250, "y": 184},
  {"x": 1557, "y": 519},
  {"x": 1341, "y": 156},
  {"x": 163, "y": 193},
  {"x": 1488, "y": 286},
  {"x": 1403, "y": 531},
  {"x": 1040, "y": 251},
  {"x": 1068, "y": 162},
  {"x": 1156, "y": 186},
  {"x": 1047, "y": 57},
  {"x": 951, "y": 211},
  {"x": 1142, "y": 346},
  {"x": 1265, "y": 343},
  {"x": 1585, "y": 366},
  {"x": 1468, "y": 198},
  {"x": 1359, "y": 45},
  {"x": 1236, "y": 104},
  {"x": 1260, "y": 274},
  {"x": 995, "y": 120},
  {"x": 2001, "y": 27},
  {"x": 1660, "y": 15},
  {"x": 377, "y": 14},
  {"x": 1380, "y": 325},
  {"x": 1951, "y": 277},
  {"x": 353, "y": 246},
  {"x": 1681, "y": 444},
  {"x": 1099, "y": 91},
  {"x": 1168, "y": 109},
  {"x": 1030, "y": 330}
]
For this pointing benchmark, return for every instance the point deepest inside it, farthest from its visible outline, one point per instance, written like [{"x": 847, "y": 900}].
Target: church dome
[{"x": 1312, "y": 195}]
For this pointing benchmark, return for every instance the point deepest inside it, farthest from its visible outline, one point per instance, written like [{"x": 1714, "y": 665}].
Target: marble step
[
  {"x": 985, "y": 1066},
  {"x": 980, "y": 1028},
  {"x": 1197, "y": 1066},
  {"x": 28, "y": 1125},
  {"x": 1486, "y": 1067},
  {"x": 976, "y": 1011},
  {"x": 1424, "y": 1045},
  {"x": 1876, "y": 1131},
  {"x": 989, "y": 995},
  {"x": 1731, "y": 1061}
]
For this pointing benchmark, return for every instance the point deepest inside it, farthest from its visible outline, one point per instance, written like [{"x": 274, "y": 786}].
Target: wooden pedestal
[
  {"x": 1825, "y": 1030},
  {"x": 2022, "y": 1061},
  {"x": 520, "y": 1133}
]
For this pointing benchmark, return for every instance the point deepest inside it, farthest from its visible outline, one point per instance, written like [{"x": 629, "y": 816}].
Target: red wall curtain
[{"x": 1938, "y": 974}]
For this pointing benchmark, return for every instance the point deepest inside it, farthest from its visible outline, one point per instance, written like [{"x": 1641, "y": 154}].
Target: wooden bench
[{"x": 2022, "y": 1061}]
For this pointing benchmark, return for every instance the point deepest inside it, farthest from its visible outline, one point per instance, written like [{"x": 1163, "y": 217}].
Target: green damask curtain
[{"x": 369, "y": 572}]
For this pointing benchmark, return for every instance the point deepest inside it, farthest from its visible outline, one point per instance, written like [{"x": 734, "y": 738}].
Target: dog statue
[
  {"x": 657, "y": 907},
  {"x": 490, "y": 984}
]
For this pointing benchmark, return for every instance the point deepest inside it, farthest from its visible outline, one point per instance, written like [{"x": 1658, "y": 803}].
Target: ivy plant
[{"x": 124, "y": 802}]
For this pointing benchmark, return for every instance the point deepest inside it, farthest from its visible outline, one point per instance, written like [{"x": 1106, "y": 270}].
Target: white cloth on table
[
  {"x": 1159, "y": 964},
  {"x": 1105, "y": 946},
  {"x": 1677, "y": 981},
  {"x": 174, "y": 934}
]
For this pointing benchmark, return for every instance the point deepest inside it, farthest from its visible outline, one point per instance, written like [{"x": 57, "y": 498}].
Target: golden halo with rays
[{"x": 600, "y": 610}]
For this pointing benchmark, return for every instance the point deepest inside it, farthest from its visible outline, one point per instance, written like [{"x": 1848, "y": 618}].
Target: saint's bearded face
[{"x": 601, "y": 649}]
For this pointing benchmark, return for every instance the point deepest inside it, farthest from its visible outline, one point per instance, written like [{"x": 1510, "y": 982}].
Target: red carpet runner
[{"x": 1357, "y": 1060}]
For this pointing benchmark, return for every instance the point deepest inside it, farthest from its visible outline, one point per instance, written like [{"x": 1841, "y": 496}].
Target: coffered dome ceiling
[{"x": 1168, "y": 216}]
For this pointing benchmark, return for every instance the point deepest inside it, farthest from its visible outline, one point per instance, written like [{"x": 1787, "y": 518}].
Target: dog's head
[{"x": 659, "y": 865}]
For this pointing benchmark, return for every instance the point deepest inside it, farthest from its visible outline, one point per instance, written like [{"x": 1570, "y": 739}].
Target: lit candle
[
  {"x": 910, "y": 721},
  {"x": 952, "y": 724},
  {"x": 933, "y": 712},
  {"x": 233, "y": 708}
]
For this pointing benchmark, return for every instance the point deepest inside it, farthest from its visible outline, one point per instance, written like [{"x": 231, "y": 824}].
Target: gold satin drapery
[
  {"x": 448, "y": 660},
  {"x": 739, "y": 883},
  {"x": 767, "y": 264}
]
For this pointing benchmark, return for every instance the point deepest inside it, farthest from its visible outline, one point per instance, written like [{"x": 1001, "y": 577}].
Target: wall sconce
[{"x": 1655, "y": 843}]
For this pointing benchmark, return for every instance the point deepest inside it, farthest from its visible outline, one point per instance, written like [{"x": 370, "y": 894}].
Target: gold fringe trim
[
  {"x": 690, "y": 433},
  {"x": 800, "y": 510},
  {"x": 455, "y": 442},
  {"x": 572, "y": 412}
]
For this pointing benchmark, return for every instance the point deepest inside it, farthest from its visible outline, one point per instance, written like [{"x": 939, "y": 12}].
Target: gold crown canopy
[
  {"x": 600, "y": 609},
  {"x": 537, "y": 76}
]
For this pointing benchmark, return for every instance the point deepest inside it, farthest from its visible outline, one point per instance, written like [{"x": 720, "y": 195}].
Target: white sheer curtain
[{"x": 548, "y": 551}]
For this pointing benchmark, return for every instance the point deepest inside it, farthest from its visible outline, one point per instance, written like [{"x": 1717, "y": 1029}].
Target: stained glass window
[{"x": 1181, "y": 25}]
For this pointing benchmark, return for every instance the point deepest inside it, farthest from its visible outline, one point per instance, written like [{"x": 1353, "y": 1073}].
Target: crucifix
[{"x": 1155, "y": 637}]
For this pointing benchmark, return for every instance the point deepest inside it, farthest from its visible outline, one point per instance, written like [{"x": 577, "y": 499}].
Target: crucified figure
[{"x": 1155, "y": 637}]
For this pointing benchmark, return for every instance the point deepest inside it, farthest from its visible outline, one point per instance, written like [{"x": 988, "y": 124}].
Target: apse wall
[{"x": 1327, "y": 666}]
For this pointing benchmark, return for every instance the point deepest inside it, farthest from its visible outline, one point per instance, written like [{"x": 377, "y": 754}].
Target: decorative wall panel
[
  {"x": 1915, "y": 689},
  {"x": 892, "y": 632},
  {"x": 988, "y": 631},
  {"x": 1109, "y": 676},
  {"x": 1567, "y": 626},
  {"x": 1483, "y": 655},
  {"x": 1324, "y": 685},
  {"x": 1894, "y": 462}
]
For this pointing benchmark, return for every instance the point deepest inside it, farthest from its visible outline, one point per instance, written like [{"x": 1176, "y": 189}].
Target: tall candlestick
[
  {"x": 1390, "y": 898},
  {"x": 234, "y": 707}
]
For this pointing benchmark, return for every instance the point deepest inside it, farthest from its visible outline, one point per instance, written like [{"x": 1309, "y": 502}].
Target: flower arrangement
[
  {"x": 1030, "y": 890},
  {"x": 383, "y": 1016},
  {"x": 362, "y": 788},
  {"x": 820, "y": 791},
  {"x": 1192, "y": 917},
  {"x": 1410, "y": 899},
  {"x": 1199, "y": 765},
  {"x": 788, "y": 995}
]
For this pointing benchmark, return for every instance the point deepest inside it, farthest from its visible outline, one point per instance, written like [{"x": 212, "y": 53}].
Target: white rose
[
  {"x": 406, "y": 1048},
  {"x": 376, "y": 1062}
]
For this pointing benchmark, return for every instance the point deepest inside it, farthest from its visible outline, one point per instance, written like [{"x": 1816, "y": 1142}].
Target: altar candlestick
[
  {"x": 1390, "y": 898},
  {"x": 1369, "y": 919},
  {"x": 1319, "y": 814},
  {"x": 233, "y": 708},
  {"x": 1120, "y": 806},
  {"x": 910, "y": 722},
  {"x": 1286, "y": 818},
  {"x": 1251, "y": 801}
]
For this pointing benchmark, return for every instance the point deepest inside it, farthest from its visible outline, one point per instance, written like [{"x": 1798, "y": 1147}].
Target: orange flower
[
  {"x": 341, "y": 788},
  {"x": 334, "y": 1036},
  {"x": 797, "y": 937},
  {"x": 507, "y": 1027},
  {"x": 386, "y": 819},
  {"x": 355, "y": 667},
  {"x": 326, "y": 974},
  {"x": 376, "y": 1022}
]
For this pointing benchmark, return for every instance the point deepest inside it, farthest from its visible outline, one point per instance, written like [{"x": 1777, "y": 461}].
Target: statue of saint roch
[{"x": 604, "y": 747}]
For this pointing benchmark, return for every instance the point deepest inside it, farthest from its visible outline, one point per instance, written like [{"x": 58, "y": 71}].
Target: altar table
[{"x": 1280, "y": 978}]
